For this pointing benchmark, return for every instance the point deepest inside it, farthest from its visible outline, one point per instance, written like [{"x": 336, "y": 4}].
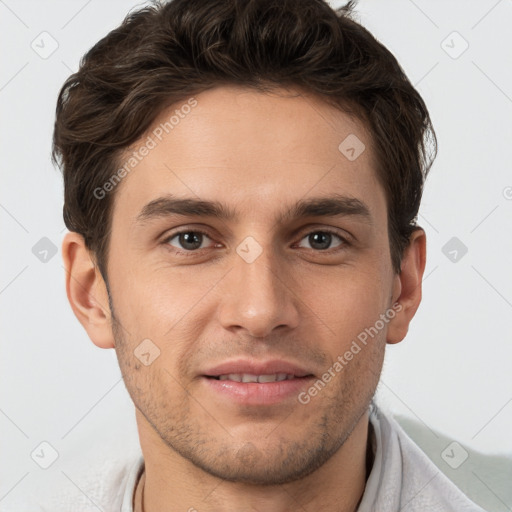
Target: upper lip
[{"x": 257, "y": 368}]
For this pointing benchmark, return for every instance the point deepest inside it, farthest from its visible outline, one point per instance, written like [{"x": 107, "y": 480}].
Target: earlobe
[
  {"x": 408, "y": 286},
  {"x": 86, "y": 291}
]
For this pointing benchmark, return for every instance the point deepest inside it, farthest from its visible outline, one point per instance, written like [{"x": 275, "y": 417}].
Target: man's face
[{"x": 261, "y": 285}]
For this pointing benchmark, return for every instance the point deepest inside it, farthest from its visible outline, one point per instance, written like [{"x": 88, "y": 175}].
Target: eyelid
[
  {"x": 169, "y": 236},
  {"x": 346, "y": 239},
  {"x": 343, "y": 234}
]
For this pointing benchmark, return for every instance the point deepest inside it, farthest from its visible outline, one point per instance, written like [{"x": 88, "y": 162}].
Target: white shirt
[{"x": 402, "y": 479}]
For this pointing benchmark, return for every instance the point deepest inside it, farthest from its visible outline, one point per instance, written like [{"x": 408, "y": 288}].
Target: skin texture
[{"x": 257, "y": 154}]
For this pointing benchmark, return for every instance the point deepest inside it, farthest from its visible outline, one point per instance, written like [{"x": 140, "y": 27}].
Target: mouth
[
  {"x": 256, "y": 390},
  {"x": 248, "y": 381},
  {"x": 262, "y": 379}
]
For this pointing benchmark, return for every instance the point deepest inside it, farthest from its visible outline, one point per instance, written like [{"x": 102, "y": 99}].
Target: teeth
[{"x": 248, "y": 377}]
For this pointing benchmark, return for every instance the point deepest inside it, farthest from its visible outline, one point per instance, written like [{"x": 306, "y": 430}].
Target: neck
[{"x": 172, "y": 482}]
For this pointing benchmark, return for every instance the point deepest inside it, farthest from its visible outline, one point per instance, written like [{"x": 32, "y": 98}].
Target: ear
[
  {"x": 407, "y": 286},
  {"x": 86, "y": 291}
]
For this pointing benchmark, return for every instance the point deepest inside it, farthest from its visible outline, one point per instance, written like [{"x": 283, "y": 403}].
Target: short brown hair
[{"x": 166, "y": 52}]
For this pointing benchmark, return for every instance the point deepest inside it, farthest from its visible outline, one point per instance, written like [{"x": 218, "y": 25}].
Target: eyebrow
[{"x": 332, "y": 206}]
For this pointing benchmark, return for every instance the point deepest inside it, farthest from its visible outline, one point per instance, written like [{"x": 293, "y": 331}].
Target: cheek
[
  {"x": 348, "y": 301},
  {"x": 159, "y": 303}
]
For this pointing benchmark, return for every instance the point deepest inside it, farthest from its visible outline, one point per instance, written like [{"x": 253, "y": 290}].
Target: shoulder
[
  {"x": 407, "y": 471},
  {"x": 109, "y": 485}
]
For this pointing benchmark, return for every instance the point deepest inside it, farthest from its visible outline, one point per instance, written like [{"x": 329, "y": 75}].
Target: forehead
[{"x": 257, "y": 152}]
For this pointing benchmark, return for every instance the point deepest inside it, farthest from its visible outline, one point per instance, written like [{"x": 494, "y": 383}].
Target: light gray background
[{"x": 451, "y": 374}]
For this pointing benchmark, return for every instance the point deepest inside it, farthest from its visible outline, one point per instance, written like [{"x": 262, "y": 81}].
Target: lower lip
[{"x": 256, "y": 393}]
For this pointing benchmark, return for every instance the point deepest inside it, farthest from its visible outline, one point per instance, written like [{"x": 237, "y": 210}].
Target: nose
[{"x": 258, "y": 298}]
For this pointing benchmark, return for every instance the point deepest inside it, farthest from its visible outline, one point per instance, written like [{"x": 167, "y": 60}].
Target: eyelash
[{"x": 345, "y": 243}]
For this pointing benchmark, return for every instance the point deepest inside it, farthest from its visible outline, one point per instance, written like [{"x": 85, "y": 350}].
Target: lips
[
  {"x": 244, "y": 370},
  {"x": 249, "y": 382},
  {"x": 247, "y": 377}
]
